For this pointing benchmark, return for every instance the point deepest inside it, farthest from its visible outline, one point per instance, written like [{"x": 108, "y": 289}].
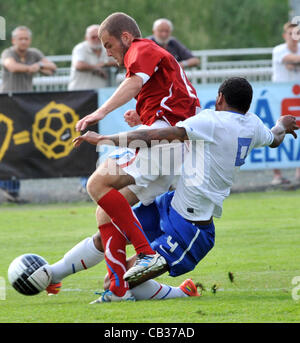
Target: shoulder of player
[
  {"x": 144, "y": 46},
  {"x": 142, "y": 42},
  {"x": 206, "y": 114},
  {"x": 254, "y": 119}
]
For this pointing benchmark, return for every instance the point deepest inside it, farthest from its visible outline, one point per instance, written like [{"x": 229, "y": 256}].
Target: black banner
[{"x": 36, "y": 133}]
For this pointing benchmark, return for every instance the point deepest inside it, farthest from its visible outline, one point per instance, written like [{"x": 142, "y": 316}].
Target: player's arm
[
  {"x": 137, "y": 138},
  {"x": 127, "y": 90},
  {"x": 284, "y": 125}
]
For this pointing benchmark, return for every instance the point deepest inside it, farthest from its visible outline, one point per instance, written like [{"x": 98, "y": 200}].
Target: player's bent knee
[
  {"x": 98, "y": 242},
  {"x": 95, "y": 186}
]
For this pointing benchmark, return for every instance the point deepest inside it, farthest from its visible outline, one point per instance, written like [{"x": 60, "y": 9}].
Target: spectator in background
[
  {"x": 19, "y": 63},
  {"x": 89, "y": 63},
  {"x": 286, "y": 68},
  {"x": 89, "y": 68},
  {"x": 162, "y": 31}
]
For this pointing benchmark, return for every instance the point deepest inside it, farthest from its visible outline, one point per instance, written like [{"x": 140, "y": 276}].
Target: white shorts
[{"x": 153, "y": 169}]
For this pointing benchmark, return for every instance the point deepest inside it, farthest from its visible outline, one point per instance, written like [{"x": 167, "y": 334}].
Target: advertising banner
[
  {"x": 36, "y": 133},
  {"x": 270, "y": 100}
]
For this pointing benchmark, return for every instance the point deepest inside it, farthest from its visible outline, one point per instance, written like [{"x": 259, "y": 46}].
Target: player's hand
[
  {"x": 289, "y": 123},
  {"x": 90, "y": 137},
  {"x": 132, "y": 118},
  {"x": 90, "y": 119}
]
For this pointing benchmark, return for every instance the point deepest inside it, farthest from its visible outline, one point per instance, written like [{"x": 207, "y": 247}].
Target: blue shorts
[{"x": 180, "y": 242}]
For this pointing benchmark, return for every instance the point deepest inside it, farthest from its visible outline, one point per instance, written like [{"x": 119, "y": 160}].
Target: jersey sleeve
[
  {"x": 199, "y": 127},
  {"x": 264, "y": 135},
  {"x": 142, "y": 61}
]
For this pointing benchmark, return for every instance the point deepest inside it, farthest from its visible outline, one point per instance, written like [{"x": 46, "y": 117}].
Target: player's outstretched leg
[
  {"x": 82, "y": 256},
  {"x": 152, "y": 289}
]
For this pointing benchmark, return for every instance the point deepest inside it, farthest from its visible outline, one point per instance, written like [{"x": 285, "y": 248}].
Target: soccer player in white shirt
[{"x": 180, "y": 224}]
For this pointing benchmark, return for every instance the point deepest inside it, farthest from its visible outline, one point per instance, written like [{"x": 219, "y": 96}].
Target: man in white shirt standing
[
  {"x": 286, "y": 68},
  {"x": 89, "y": 60}
]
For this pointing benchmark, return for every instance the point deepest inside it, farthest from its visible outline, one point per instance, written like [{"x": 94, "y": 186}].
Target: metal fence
[{"x": 216, "y": 65}]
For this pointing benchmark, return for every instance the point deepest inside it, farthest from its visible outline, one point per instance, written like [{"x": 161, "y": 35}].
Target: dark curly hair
[{"x": 238, "y": 93}]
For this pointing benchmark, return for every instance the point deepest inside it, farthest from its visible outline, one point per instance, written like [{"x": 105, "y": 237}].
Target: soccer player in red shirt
[{"x": 164, "y": 96}]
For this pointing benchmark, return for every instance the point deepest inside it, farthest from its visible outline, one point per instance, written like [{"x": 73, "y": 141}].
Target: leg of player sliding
[
  {"x": 122, "y": 225},
  {"x": 84, "y": 255}
]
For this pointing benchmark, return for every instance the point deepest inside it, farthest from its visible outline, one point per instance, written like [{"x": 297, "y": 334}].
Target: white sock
[
  {"x": 152, "y": 289},
  {"x": 83, "y": 256}
]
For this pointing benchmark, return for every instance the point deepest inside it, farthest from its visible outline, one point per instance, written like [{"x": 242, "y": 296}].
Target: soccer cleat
[
  {"x": 146, "y": 267},
  {"x": 54, "y": 288},
  {"x": 108, "y": 296},
  {"x": 188, "y": 287}
]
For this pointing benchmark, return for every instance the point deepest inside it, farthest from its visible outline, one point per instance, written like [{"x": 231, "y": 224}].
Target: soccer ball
[{"x": 29, "y": 274}]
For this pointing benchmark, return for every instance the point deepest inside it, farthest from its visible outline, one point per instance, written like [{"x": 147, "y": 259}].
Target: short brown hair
[
  {"x": 117, "y": 23},
  {"x": 288, "y": 25}
]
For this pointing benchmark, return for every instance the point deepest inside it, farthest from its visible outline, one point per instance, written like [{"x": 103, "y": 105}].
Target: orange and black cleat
[
  {"x": 188, "y": 287},
  {"x": 54, "y": 288}
]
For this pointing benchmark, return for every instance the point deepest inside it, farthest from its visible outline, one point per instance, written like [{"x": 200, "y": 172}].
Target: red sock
[
  {"x": 114, "y": 244},
  {"x": 121, "y": 214}
]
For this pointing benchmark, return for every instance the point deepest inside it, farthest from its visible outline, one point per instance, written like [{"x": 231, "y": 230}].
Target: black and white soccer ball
[{"x": 29, "y": 274}]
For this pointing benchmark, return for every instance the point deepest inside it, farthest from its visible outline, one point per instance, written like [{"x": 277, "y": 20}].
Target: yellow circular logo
[
  {"x": 54, "y": 129},
  {"x": 6, "y": 130}
]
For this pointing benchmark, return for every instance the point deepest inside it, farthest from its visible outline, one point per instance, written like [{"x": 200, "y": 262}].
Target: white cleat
[
  {"x": 108, "y": 296},
  {"x": 146, "y": 267}
]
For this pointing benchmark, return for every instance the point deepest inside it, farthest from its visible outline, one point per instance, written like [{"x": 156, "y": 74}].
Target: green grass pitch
[{"x": 257, "y": 240}]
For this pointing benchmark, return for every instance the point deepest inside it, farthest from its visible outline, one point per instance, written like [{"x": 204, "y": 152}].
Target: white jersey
[
  {"x": 280, "y": 71},
  {"x": 226, "y": 139}
]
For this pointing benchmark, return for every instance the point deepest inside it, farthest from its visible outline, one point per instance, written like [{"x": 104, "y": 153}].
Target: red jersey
[{"x": 166, "y": 93}]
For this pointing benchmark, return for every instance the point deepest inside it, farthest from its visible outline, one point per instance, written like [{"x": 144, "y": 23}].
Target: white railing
[
  {"x": 256, "y": 69},
  {"x": 214, "y": 67}
]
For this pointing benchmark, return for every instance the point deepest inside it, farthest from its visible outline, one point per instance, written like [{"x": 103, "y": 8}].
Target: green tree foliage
[{"x": 58, "y": 25}]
